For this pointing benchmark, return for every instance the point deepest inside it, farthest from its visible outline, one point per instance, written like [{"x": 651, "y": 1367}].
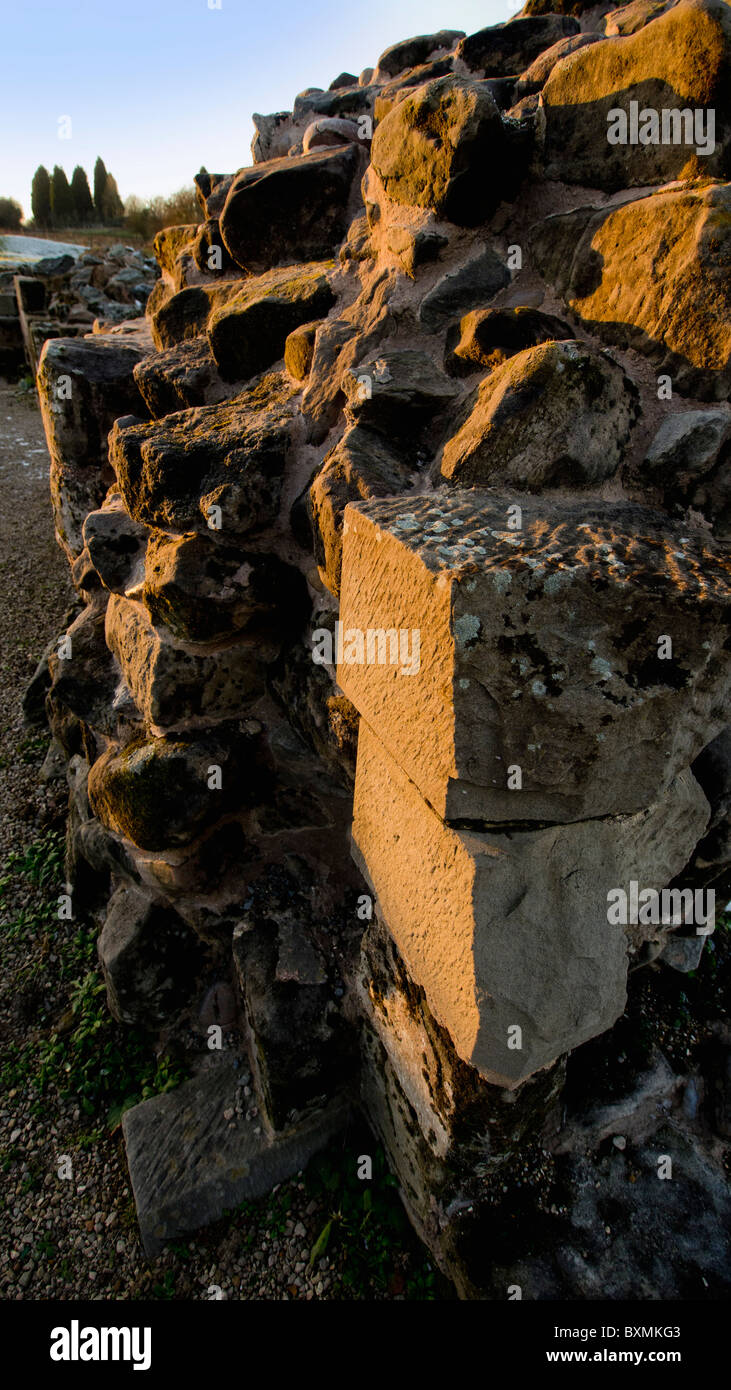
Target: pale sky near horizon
[{"x": 160, "y": 87}]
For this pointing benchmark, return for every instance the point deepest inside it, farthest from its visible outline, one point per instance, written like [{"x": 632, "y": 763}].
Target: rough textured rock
[
  {"x": 536, "y": 76},
  {"x": 148, "y": 957},
  {"x": 484, "y": 338},
  {"x": 504, "y": 49},
  {"x": 293, "y": 209},
  {"x": 443, "y": 147},
  {"x": 652, "y": 274},
  {"x": 171, "y": 683},
  {"x": 680, "y": 62},
  {"x": 182, "y": 376},
  {"x": 688, "y": 463},
  {"x": 361, "y": 465},
  {"x": 230, "y": 456},
  {"x": 202, "y": 593},
  {"x": 597, "y": 720},
  {"x": 83, "y": 385},
  {"x": 116, "y": 546},
  {"x": 410, "y": 53},
  {"x": 158, "y": 793},
  {"x": 559, "y": 414},
  {"x": 248, "y": 333}
]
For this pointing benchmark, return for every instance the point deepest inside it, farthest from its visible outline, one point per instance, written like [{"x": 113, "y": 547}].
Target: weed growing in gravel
[
  {"x": 366, "y": 1226},
  {"x": 88, "y": 1057}
]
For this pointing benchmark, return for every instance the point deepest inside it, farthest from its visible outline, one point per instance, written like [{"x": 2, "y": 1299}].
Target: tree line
[{"x": 57, "y": 203}]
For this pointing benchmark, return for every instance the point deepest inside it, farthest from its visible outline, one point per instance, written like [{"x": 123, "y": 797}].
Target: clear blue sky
[{"x": 160, "y": 87}]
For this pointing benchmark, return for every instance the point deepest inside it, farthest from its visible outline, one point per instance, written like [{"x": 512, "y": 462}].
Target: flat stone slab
[
  {"x": 540, "y": 686},
  {"x": 511, "y": 929},
  {"x": 192, "y": 1154}
]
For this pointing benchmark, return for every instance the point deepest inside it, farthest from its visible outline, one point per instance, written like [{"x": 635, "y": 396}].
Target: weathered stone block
[
  {"x": 148, "y": 956},
  {"x": 681, "y": 62},
  {"x": 229, "y": 456},
  {"x": 189, "y": 1162},
  {"x": 248, "y": 333},
  {"x": 83, "y": 385},
  {"x": 172, "y": 683},
  {"x": 592, "y": 711},
  {"x": 511, "y": 929},
  {"x": 443, "y": 147},
  {"x": 290, "y": 209},
  {"x": 556, "y": 414},
  {"x": 675, "y": 304}
]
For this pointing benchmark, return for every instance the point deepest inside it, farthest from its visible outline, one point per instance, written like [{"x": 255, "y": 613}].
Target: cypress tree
[
  {"x": 62, "y": 207},
  {"x": 100, "y": 183},
  {"x": 40, "y": 196},
  {"x": 81, "y": 197}
]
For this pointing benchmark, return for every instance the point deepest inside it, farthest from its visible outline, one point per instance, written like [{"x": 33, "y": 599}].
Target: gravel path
[{"x": 68, "y": 1227}]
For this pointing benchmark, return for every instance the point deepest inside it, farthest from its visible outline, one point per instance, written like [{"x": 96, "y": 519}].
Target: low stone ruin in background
[
  {"x": 410, "y": 376},
  {"x": 67, "y": 292}
]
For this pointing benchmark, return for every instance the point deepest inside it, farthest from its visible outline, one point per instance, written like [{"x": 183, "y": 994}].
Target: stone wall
[{"x": 399, "y": 527}]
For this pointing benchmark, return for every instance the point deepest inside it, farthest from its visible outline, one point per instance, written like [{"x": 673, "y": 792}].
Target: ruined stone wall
[{"x": 398, "y": 527}]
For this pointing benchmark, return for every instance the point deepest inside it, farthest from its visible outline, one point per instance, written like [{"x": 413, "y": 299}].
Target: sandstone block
[
  {"x": 560, "y": 413},
  {"x": 473, "y": 284},
  {"x": 83, "y": 385},
  {"x": 589, "y": 706},
  {"x": 443, "y": 147},
  {"x": 230, "y": 455},
  {"x": 688, "y": 462},
  {"x": 410, "y": 53},
  {"x": 188, "y": 1163},
  {"x": 652, "y": 275},
  {"x": 290, "y": 209},
  {"x": 361, "y": 465},
  {"x": 502, "y": 50},
  {"x": 171, "y": 683},
  {"x": 485, "y": 338},
  {"x": 156, "y": 793},
  {"x": 204, "y": 592},
  {"x": 541, "y": 68},
  {"x": 185, "y": 375},
  {"x": 116, "y": 546},
  {"x": 148, "y": 958},
  {"x": 506, "y": 930},
  {"x": 249, "y": 332},
  {"x": 681, "y": 62}
]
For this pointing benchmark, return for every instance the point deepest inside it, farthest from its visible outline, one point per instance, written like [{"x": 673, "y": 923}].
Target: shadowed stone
[{"x": 189, "y": 1163}]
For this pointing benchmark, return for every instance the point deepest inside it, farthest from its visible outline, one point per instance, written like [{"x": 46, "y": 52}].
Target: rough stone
[
  {"x": 172, "y": 683},
  {"x": 361, "y": 465},
  {"x": 248, "y": 333},
  {"x": 443, "y": 147},
  {"x": 688, "y": 463},
  {"x": 485, "y": 338},
  {"x": 593, "y": 711},
  {"x": 285, "y": 209},
  {"x": 504, "y": 49},
  {"x": 230, "y": 455},
  {"x": 83, "y": 385},
  {"x": 559, "y": 414},
  {"x": 472, "y": 284},
  {"x": 651, "y": 275},
  {"x": 148, "y": 957},
  {"x": 682, "y": 61}
]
